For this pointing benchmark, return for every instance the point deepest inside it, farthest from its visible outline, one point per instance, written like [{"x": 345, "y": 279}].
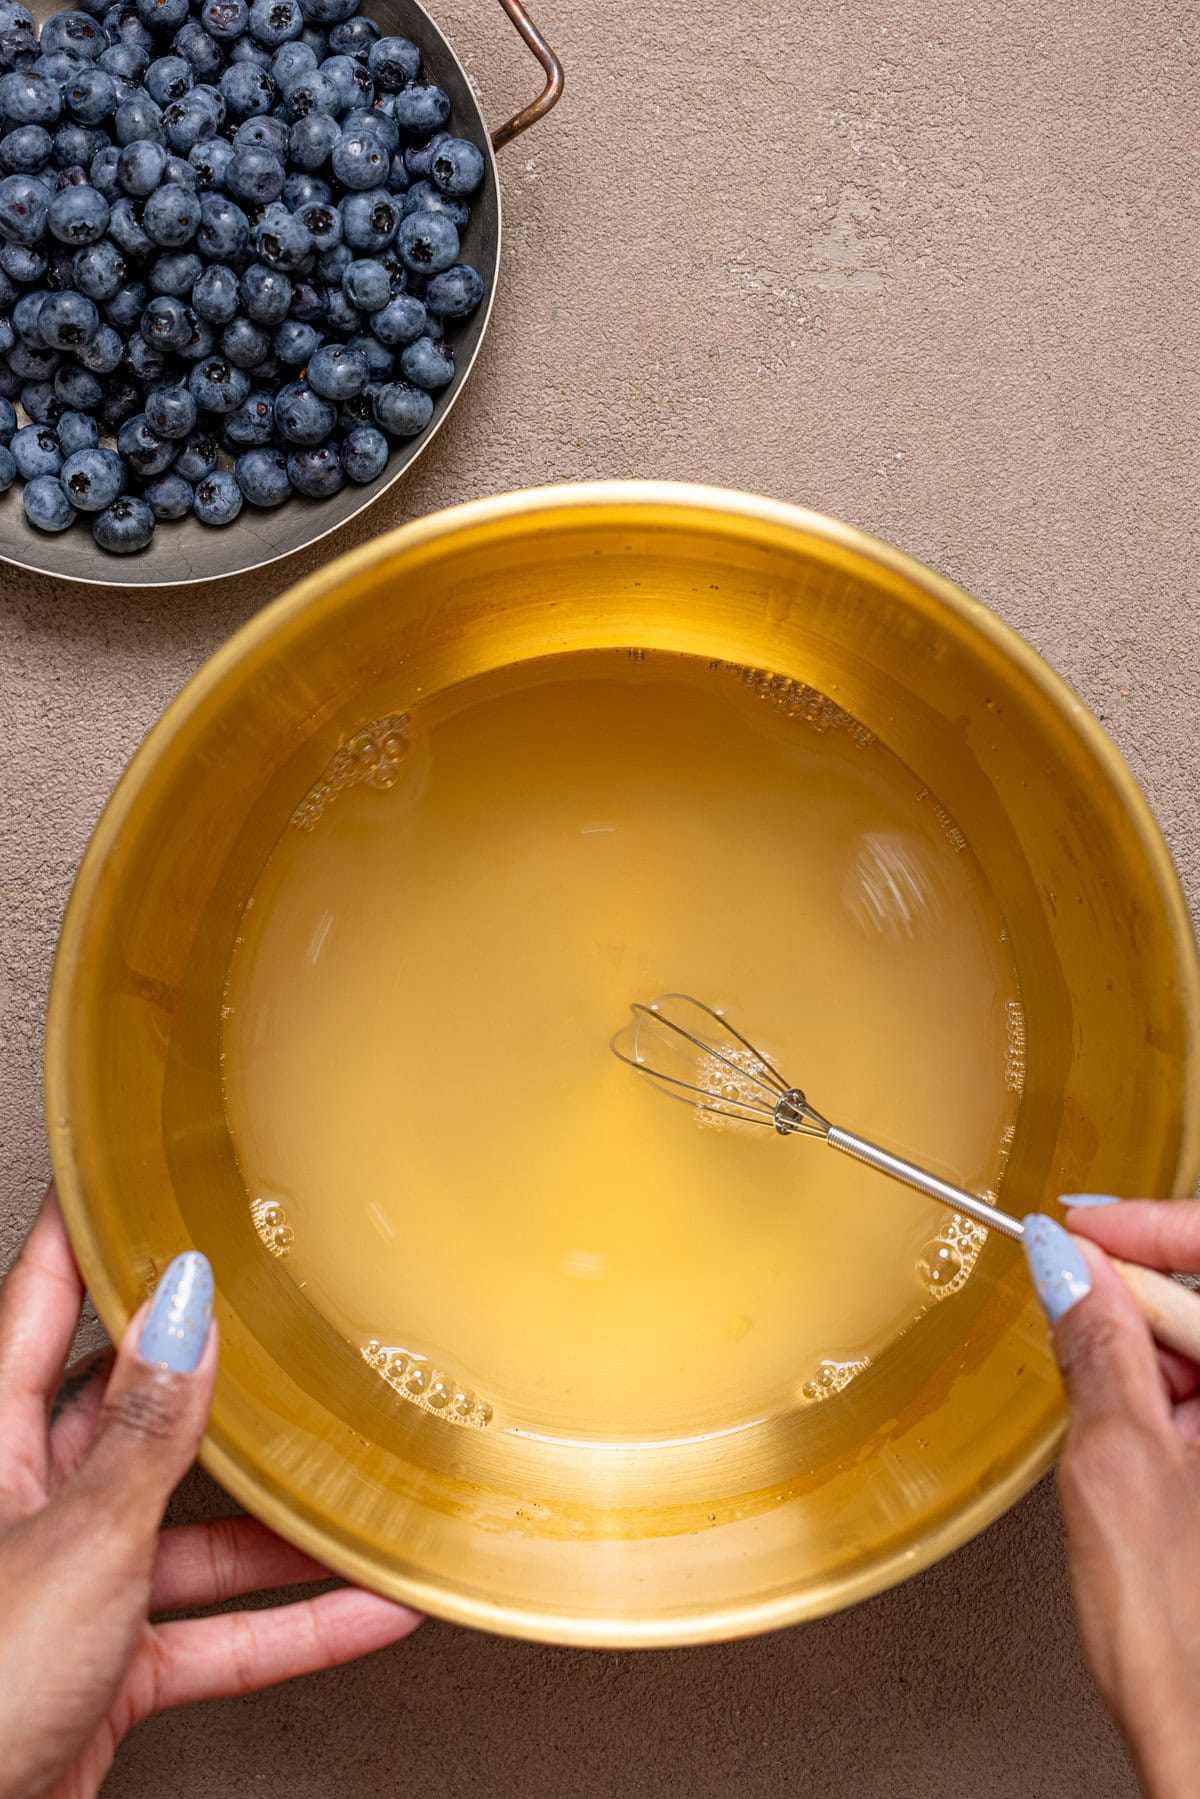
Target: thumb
[
  {"x": 156, "y": 1405},
  {"x": 1103, "y": 1346}
]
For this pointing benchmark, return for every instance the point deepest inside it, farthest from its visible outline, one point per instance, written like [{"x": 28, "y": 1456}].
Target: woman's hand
[
  {"x": 87, "y": 1464},
  {"x": 1129, "y": 1479}
]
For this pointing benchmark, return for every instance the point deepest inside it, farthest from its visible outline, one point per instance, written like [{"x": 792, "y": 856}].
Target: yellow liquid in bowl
[{"x": 517, "y": 1232}]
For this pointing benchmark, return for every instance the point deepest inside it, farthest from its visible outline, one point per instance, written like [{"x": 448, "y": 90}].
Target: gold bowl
[{"x": 700, "y": 1541}]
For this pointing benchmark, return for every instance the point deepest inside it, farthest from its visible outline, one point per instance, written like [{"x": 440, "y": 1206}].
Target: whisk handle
[
  {"x": 1170, "y": 1309},
  {"x": 957, "y": 1198}
]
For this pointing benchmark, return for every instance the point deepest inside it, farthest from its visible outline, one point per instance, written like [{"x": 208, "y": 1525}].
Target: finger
[
  {"x": 40, "y": 1304},
  {"x": 202, "y": 1564},
  {"x": 76, "y": 1410},
  {"x": 1105, "y": 1352},
  {"x": 239, "y": 1652},
  {"x": 156, "y": 1404},
  {"x": 1159, "y": 1233},
  {"x": 1181, "y": 1374}
]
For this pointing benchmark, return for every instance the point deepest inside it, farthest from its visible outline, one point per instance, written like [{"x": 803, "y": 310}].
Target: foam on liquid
[{"x": 517, "y": 1231}]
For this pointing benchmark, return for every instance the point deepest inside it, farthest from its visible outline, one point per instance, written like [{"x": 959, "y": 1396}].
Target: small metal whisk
[{"x": 694, "y": 1054}]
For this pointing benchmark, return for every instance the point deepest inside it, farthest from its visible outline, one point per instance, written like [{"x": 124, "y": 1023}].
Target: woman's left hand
[{"x": 87, "y": 1465}]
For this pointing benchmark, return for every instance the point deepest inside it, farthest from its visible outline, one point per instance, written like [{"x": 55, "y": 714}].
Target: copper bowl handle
[{"x": 537, "y": 109}]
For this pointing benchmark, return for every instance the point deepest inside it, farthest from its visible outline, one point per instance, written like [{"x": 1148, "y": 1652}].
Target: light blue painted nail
[
  {"x": 176, "y": 1326},
  {"x": 1090, "y": 1199},
  {"x": 1060, "y": 1274}
]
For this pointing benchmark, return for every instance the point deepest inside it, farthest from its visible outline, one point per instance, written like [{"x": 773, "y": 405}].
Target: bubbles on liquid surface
[
  {"x": 1014, "y": 1059},
  {"x": 832, "y": 1377},
  {"x": 270, "y": 1221},
  {"x": 947, "y": 1261},
  {"x": 414, "y": 1378},
  {"x": 371, "y": 758},
  {"x": 797, "y": 700}
]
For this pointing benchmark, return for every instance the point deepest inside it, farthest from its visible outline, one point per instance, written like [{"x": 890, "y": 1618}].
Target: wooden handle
[{"x": 1171, "y": 1311}]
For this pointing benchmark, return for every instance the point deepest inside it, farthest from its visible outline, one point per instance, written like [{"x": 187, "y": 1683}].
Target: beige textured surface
[{"x": 928, "y": 267}]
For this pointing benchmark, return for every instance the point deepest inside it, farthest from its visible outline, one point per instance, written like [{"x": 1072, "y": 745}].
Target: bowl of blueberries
[{"x": 248, "y": 252}]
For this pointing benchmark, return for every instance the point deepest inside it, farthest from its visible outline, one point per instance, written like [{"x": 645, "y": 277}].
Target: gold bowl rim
[{"x": 724, "y": 1622}]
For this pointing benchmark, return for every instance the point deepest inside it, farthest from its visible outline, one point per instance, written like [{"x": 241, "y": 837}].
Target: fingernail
[
  {"x": 1060, "y": 1274},
  {"x": 1089, "y": 1199},
  {"x": 176, "y": 1327}
]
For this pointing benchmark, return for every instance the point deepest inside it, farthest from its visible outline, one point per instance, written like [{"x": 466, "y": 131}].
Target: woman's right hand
[{"x": 1129, "y": 1479}]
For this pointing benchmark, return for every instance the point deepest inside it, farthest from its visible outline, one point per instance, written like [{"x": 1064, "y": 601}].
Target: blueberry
[
  {"x": 103, "y": 171},
  {"x": 422, "y": 196},
  {"x": 98, "y": 269},
  {"x": 262, "y": 476},
  {"x": 194, "y": 44},
  {"x": 10, "y": 384},
  {"x": 77, "y": 388},
  {"x": 77, "y": 431},
  {"x": 189, "y": 122},
  {"x": 67, "y": 320},
  {"x": 103, "y": 354},
  {"x": 354, "y": 37},
  {"x": 457, "y": 167},
  {"x": 337, "y": 372},
  {"x": 247, "y": 90},
  {"x": 364, "y": 453},
  {"x": 143, "y": 361},
  {"x": 8, "y": 421},
  {"x": 25, "y": 150},
  {"x": 138, "y": 120},
  {"x": 394, "y": 62},
  {"x": 170, "y": 410},
  {"x": 215, "y": 295},
  {"x": 143, "y": 449},
  {"x": 127, "y": 526},
  {"x": 165, "y": 323},
  {"x": 290, "y": 59},
  {"x": 373, "y": 118},
  {"x": 366, "y": 285},
  {"x": 8, "y": 470},
  {"x": 24, "y": 204},
  {"x": 22, "y": 264},
  {"x": 265, "y": 132},
  {"x": 168, "y": 496},
  {"x": 30, "y": 99},
  {"x": 308, "y": 302},
  {"x": 328, "y": 12},
  {"x": 370, "y": 221},
  {"x": 171, "y": 216},
  {"x": 276, "y": 22},
  {"x": 73, "y": 32},
  {"x": 309, "y": 92},
  {"x": 427, "y": 242},
  {"x": 398, "y": 179},
  {"x": 279, "y": 239},
  {"x": 244, "y": 343},
  {"x": 92, "y": 478},
  {"x": 181, "y": 173},
  {"x": 380, "y": 359},
  {"x": 33, "y": 364},
  {"x": 340, "y": 315},
  {"x": 245, "y": 50},
  {"x": 198, "y": 457},
  {"x": 225, "y": 19},
  {"x": 301, "y": 415},
  {"x": 76, "y": 144},
  {"x": 125, "y": 228},
  {"x": 311, "y": 140},
  {"x": 211, "y": 161},
  {"x": 168, "y": 78},
  {"x": 294, "y": 342},
  {"x": 224, "y": 228},
  {"x": 316, "y": 471},
  {"x": 26, "y": 317},
  {"x": 121, "y": 401},
  {"x": 255, "y": 175},
  {"x": 455, "y": 292},
  {"x": 302, "y": 188},
  {"x": 401, "y": 321},
  {"x": 162, "y": 15},
  {"x": 421, "y": 107},
  {"x": 140, "y": 167},
  {"x": 216, "y": 386},
  {"x": 418, "y": 158},
  {"x": 124, "y": 62},
  {"x": 333, "y": 263},
  {"x": 175, "y": 274},
  {"x": 402, "y": 410},
  {"x": 46, "y": 504},
  {"x": 42, "y": 405},
  {"x": 351, "y": 80},
  {"x": 429, "y": 362},
  {"x": 217, "y": 499},
  {"x": 127, "y": 305},
  {"x": 252, "y": 423},
  {"x": 200, "y": 344},
  {"x": 266, "y": 293},
  {"x": 361, "y": 159}
]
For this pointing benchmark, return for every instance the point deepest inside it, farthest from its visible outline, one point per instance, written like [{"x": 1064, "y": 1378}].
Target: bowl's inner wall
[{"x": 954, "y": 1407}]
